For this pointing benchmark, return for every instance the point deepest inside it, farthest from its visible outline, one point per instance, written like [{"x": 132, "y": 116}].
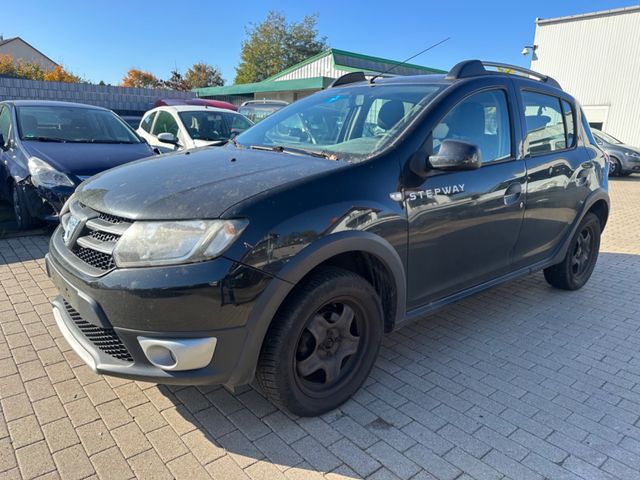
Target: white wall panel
[{"x": 596, "y": 58}]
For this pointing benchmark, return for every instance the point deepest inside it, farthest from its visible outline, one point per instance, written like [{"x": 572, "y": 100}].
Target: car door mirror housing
[
  {"x": 3, "y": 143},
  {"x": 167, "y": 137},
  {"x": 456, "y": 155}
]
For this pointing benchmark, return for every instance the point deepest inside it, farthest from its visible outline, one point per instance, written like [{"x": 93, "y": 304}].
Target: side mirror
[
  {"x": 3, "y": 144},
  {"x": 167, "y": 137},
  {"x": 456, "y": 155}
]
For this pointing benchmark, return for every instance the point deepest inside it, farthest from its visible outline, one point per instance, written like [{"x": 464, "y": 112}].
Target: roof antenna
[{"x": 371, "y": 80}]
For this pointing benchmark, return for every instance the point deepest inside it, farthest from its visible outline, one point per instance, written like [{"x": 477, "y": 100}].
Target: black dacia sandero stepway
[{"x": 287, "y": 254}]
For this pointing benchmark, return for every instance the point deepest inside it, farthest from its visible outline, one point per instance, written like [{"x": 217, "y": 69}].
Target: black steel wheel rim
[
  {"x": 582, "y": 252},
  {"x": 330, "y": 348}
]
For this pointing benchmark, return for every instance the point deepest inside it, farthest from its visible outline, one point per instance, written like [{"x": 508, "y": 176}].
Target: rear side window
[
  {"x": 567, "y": 111},
  {"x": 481, "y": 119},
  {"x": 147, "y": 121},
  {"x": 165, "y": 124},
  {"x": 550, "y": 125}
]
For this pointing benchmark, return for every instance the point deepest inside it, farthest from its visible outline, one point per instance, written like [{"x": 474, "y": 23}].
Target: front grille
[
  {"x": 103, "y": 236},
  {"x": 112, "y": 218},
  {"x": 99, "y": 260},
  {"x": 105, "y": 339},
  {"x": 98, "y": 237}
]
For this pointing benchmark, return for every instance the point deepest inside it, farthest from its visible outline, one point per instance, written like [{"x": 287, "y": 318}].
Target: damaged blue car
[{"x": 48, "y": 148}]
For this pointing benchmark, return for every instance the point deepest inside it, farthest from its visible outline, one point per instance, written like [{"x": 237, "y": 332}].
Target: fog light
[
  {"x": 178, "y": 354},
  {"x": 160, "y": 356}
]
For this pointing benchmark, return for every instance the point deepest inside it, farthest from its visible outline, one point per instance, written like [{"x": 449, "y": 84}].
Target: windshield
[
  {"x": 72, "y": 124},
  {"x": 213, "y": 126},
  {"x": 348, "y": 123},
  {"x": 258, "y": 112},
  {"x": 606, "y": 137}
]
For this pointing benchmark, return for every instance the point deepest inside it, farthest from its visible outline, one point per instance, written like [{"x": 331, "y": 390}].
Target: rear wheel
[
  {"x": 24, "y": 219},
  {"x": 576, "y": 268},
  {"x": 323, "y": 343}
]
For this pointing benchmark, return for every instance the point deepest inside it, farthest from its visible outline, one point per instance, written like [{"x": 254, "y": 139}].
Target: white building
[
  {"x": 596, "y": 58},
  {"x": 18, "y": 49}
]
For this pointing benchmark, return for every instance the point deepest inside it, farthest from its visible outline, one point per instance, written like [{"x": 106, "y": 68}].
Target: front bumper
[
  {"x": 46, "y": 203},
  {"x": 104, "y": 318}
]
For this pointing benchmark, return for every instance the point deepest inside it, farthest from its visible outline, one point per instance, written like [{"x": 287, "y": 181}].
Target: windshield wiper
[
  {"x": 294, "y": 151},
  {"x": 98, "y": 140},
  {"x": 46, "y": 139}
]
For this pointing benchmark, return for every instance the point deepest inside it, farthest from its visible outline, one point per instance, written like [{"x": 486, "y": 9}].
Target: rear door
[
  {"x": 558, "y": 173},
  {"x": 463, "y": 225}
]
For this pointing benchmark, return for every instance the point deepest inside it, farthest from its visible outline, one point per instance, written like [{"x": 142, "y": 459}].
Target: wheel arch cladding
[
  {"x": 601, "y": 209},
  {"x": 360, "y": 252}
]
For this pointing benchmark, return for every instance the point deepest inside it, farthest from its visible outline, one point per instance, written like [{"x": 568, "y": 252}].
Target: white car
[{"x": 180, "y": 127}]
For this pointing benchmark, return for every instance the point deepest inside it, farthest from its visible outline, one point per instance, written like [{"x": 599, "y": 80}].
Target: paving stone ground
[{"x": 521, "y": 382}]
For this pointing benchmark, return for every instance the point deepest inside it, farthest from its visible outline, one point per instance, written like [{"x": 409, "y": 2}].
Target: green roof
[
  {"x": 315, "y": 83},
  {"x": 340, "y": 65}
]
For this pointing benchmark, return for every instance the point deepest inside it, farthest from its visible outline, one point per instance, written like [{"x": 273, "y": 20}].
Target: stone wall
[{"x": 122, "y": 100}]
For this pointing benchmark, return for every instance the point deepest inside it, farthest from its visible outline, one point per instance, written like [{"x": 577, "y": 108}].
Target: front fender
[{"x": 295, "y": 270}]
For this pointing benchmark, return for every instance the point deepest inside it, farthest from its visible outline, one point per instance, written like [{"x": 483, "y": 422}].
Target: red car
[{"x": 196, "y": 101}]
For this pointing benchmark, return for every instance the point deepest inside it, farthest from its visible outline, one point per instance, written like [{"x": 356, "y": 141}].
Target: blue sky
[{"x": 101, "y": 40}]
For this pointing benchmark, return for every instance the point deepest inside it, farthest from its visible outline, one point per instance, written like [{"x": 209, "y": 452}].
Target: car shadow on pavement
[{"x": 519, "y": 356}]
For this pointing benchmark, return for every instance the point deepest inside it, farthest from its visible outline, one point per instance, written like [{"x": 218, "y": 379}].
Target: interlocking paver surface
[{"x": 522, "y": 382}]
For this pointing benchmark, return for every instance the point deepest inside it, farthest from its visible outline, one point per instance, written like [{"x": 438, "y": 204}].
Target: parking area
[{"x": 521, "y": 382}]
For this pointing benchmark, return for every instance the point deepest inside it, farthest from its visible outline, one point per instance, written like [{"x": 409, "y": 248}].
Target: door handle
[{"x": 512, "y": 194}]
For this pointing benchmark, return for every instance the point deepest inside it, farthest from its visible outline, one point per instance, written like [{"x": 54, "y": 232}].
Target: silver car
[{"x": 624, "y": 159}]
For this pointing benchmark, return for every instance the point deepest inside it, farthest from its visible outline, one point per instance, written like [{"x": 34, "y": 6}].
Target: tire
[
  {"x": 308, "y": 376},
  {"x": 615, "y": 168},
  {"x": 24, "y": 219},
  {"x": 576, "y": 268}
]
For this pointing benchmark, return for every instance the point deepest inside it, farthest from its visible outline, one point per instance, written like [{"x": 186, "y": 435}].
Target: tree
[
  {"x": 275, "y": 44},
  {"x": 176, "y": 82},
  {"x": 7, "y": 66},
  {"x": 20, "y": 69},
  {"x": 140, "y": 79},
  {"x": 203, "y": 75},
  {"x": 59, "y": 74}
]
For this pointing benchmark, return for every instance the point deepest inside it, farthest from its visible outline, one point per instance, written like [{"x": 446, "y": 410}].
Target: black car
[
  {"x": 288, "y": 253},
  {"x": 48, "y": 148}
]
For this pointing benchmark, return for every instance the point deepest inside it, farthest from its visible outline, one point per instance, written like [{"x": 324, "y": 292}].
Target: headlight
[
  {"x": 44, "y": 175},
  {"x": 169, "y": 243},
  {"x": 632, "y": 154}
]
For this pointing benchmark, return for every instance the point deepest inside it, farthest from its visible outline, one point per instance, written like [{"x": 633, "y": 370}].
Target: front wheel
[
  {"x": 615, "y": 168},
  {"x": 24, "y": 219},
  {"x": 323, "y": 343},
  {"x": 578, "y": 264}
]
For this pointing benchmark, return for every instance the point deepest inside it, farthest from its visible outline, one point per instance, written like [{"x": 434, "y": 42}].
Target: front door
[{"x": 463, "y": 225}]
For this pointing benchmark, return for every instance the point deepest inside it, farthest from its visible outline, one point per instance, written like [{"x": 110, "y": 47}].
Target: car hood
[
  {"x": 86, "y": 159},
  {"x": 200, "y": 183}
]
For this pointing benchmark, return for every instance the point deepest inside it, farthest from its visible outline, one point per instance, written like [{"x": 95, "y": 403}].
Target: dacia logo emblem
[{"x": 70, "y": 230}]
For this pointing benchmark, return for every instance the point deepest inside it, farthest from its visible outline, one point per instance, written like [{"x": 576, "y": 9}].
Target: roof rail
[
  {"x": 348, "y": 78},
  {"x": 472, "y": 68}
]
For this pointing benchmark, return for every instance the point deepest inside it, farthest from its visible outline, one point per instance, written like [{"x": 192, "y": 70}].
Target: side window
[
  {"x": 481, "y": 119},
  {"x": 5, "y": 123},
  {"x": 567, "y": 110},
  {"x": 165, "y": 124},
  {"x": 147, "y": 121},
  {"x": 545, "y": 123},
  {"x": 237, "y": 123}
]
